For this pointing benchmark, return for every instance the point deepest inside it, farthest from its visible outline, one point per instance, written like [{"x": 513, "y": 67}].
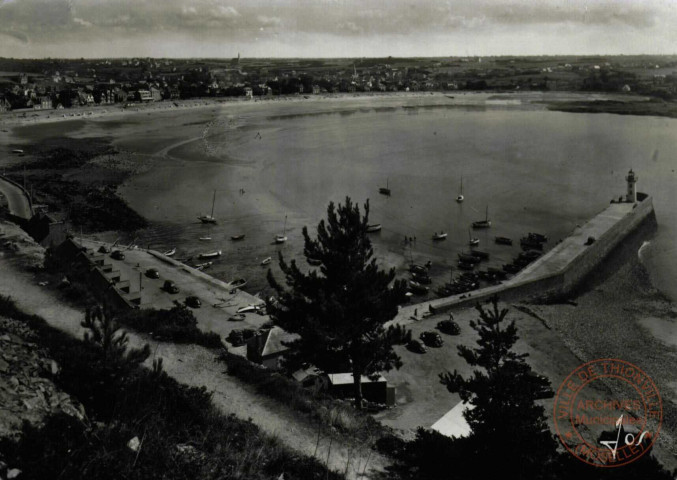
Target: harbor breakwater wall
[{"x": 564, "y": 268}]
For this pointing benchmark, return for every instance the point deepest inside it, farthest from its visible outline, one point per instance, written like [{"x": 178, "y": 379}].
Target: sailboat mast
[
  {"x": 284, "y": 231},
  {"x": 213, "y": 201}
]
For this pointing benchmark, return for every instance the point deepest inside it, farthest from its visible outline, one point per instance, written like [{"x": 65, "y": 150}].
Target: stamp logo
[{"x": 608, "y": 413}]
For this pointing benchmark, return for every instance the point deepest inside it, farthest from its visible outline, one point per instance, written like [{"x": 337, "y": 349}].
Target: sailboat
[
  {"x": 385, "y": 190},
  {"x": 460, "y": 197},
  {"x": 209, "y": 218},
  {"x": 473, "y": 241},
  {"x": 486, "y": 223},
  {"x": 283, "y": 237}
]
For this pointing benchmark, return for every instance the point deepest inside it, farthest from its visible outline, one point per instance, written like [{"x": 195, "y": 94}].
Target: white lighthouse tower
[{"x": 631, "y": 178}]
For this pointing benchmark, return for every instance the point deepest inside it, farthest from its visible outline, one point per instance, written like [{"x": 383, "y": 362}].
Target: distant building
[
  {"x": 248, "y": 92},
  {"x": 143, "y": 96}
]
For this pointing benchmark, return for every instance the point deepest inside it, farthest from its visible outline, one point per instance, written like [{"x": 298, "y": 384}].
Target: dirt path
[{"x": 196, "y": 366}]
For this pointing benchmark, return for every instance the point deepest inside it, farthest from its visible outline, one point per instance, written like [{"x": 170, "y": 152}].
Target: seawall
[{"x": 561, "y": 270}]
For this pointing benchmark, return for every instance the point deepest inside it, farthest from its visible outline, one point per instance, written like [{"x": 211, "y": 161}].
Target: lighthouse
[{"x": 631, "y": 178}]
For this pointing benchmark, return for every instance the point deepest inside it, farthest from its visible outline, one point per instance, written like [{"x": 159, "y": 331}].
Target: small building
[
  {"x": 46, "y": 230},
  {"x": 341, "y": 385},
  {"x": 453, "y": 424},
  {"x": 248, "y": 92},
  {"x": 143, "y": 96},
  {"x": 269, "y": 346}
]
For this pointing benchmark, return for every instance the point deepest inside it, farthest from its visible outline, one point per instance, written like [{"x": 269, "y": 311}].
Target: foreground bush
[
  {"x": 177, "y": 324},
  {"x": 180, "y": 433}
]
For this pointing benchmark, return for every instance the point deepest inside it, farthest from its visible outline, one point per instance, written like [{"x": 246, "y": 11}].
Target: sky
[{"x": 334, "y": 28}]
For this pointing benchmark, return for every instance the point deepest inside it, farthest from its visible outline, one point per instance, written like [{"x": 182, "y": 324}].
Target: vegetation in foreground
[
  {"x": 510, "y": 437},
  {"x": 141, "y": 424},
  {"x": 340, "y": 309}
]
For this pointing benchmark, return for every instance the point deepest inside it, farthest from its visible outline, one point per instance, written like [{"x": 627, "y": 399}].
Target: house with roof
[
  {"x": 269, "y": 346},
  {"x": 374, "y": 389}
]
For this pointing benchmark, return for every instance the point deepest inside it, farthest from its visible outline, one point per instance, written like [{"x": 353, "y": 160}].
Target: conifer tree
[
  {"x": 507, "y": 425},
  {"x": 340, "y": 309}
]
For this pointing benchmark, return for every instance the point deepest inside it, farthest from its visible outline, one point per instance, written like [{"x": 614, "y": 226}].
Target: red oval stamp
[{"x": 608, "y": 413}]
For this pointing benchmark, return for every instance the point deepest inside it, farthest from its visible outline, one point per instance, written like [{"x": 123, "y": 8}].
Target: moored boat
[
  {"x": 465, "y": 265},
  {"x": 266, "y": 260},
  {"x": 210, "y": 254},
  {"x": 460, "y": 197},
  {"x": 205, "y": 239},
  {"x": 237, "y": 237},
  {"x": 376, "y": 227},
  {"x": 202, "y": 266},
  {"x": 466, "y": 257},
  {"x": 416, "y": 287},
  {"x": 480, "y": 254},
  {"x": 209, "y": 218},
  {"x": 439, "y": 236},
  {"x": 281, "y": 238},
  {"x": 486, "y": 223},
  {"x": 169, "y": 253},
  {"x": 385, "y": 190},
  {"x": 503, "y": 240},
  {"x": 238, "y": 283},
  {"x": 314, "y": 261}
]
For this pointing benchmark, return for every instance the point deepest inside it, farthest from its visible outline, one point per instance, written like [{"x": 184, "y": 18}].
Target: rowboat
[
  {"x": 281, "y": 238},
  {"x": 169, "y": 253},
  {"x": 266, "y": 260},
  {"x": 205, "y": 239},
  {"x": 210, "y": 254},
  {"x": 237, "y": 237},
  {"x": 374, "y": 228},
  {"x": 238, "y": 283},
  {"x": 439, "y": 236},
  {"x": 202, "y": 266},
  {"x": 486, "y": 223},
  {"x": 503, "y": 240},
  {"x": 384, "y": 190}
]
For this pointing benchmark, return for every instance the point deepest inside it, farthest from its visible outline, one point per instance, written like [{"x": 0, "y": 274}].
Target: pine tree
[
  {"x": 340, "y": 310},
  {"x": 507, "y": 425},
  {"x": 104, "y": 334}
]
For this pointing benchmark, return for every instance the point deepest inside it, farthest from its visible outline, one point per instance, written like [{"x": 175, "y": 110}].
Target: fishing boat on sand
[
  {"x": 205, "y": 239},
  {"x": 266, "y": 260},
  {"x": 486, "y": 223},
  {"x": 210, "y": 254},
  {"x": 237, "y": 237},
  {"x": 376, "y": 227},
  {"x": 439, "y": 236},
  {"x": 169, "y": 253},
  {"x": 385, "y": 190},
  {"x": 281, "y": 238},
  {"x": 209, "y": 218},
  {"x": 202, "y": 266}
]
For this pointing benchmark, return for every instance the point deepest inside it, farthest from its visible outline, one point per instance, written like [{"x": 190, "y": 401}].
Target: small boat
[
  {"x": 385, "y": 190},
  {"x": 439, "y": 236},
  {"x": 486, "y": 223},
  {"x": 202, "y": 266},
  {"x": 468, "y": 258},
  {"x": 538, "y": 237},
  {"x": 281, "y": 238},
  {"x": 473, "y": 241},
  {"x": 210, "y": 254},
  {"x": 460, "y": 197},
  {"x": 314, "y": 261},
  {"x": 209, "y": 218},
  {"x": 266, "y": 260},
  {"x": 503, "y": 240},
  {"x": 530, "y": 244},
  {"x": 205, "y": 239},
  {"x": 249, "y": 308},
  {"x": 17, "y": 150},
  {"x": 376, "y": 227},
  {"x": 465, "y": 265},
  {"x": 416, "y": 287},
  {"x": 480, "y": 254},
  {"x": 169, "y": 253},
  {"x": 238, "y": 283},
  {"x": 237, "y": 237}
]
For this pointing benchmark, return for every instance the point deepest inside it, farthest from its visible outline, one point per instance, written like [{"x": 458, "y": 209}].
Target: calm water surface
[{"x": 534, "y": 170}]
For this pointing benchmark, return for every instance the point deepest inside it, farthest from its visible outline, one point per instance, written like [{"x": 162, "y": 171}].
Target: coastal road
[{"x": 19, "y": 204}]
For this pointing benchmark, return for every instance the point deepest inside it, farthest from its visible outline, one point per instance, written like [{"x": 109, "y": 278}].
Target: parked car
[
  {"x": 117, "y": 255},
  {"x": 432, "y": 339},
  {"x": 103, "y": 249},
  {"x": 449, "y": 327},
  {"x": 152, "y": 273},
  {"x": 416, "y": 347},
  {"x": 170, "y": 287},
  {"x": 193, "y": 302}
]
